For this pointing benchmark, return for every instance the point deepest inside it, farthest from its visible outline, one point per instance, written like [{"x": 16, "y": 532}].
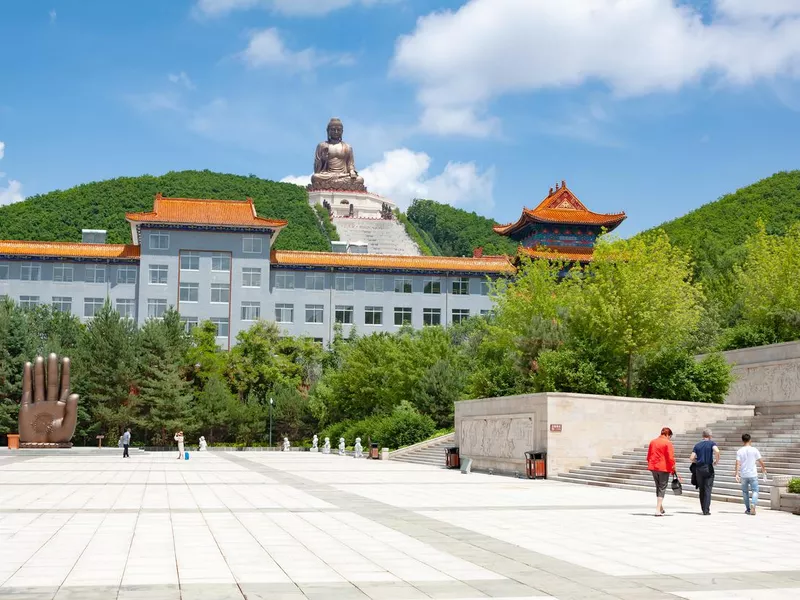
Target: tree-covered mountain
[
  {"x": 60, "y": 215},
  {"x": 450, "y": 231},
  {"x": 715, "y": 233}
]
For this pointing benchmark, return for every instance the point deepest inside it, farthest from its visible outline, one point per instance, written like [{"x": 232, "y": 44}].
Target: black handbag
[{"x": 677, "y": 487}]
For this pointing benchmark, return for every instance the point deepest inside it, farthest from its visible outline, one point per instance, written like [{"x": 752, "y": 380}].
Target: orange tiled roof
[
  {"x": 486, "y": 264},
  {"x": 566, "y": 254},
  {"x": 562, "y": 206},
  {"x": 204, "y": 212},
  {"x": 69, "y": 250}
]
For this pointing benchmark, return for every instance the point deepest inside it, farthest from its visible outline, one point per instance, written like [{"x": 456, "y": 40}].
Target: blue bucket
[{"x": 186, "y": 455}]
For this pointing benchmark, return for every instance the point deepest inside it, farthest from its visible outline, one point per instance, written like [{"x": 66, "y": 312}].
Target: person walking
[
  {"x": 661, "y": 463},
  {"x": 705, "y": 456},
  {"x": 747, "y": 473},
  {"x": 126, "y": 442},
  {"x": 179, "y": 439}
]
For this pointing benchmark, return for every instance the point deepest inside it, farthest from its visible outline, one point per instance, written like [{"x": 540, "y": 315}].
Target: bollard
[
  {"x": 384, "y": 454},
  {"x": 779, "y": 485}
]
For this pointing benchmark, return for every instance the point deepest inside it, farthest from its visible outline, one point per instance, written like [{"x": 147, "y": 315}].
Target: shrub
[
  {"x": 405, "y": 426},
  {"x": 794, "y": 486},
  {"x": 566, "y": 371},
  {"x": 746, "y": 335},
  {"x": 673, "y": 374}
]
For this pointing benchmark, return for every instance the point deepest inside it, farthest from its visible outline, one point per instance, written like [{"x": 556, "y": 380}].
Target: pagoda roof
[
  {"x": 561, "y": 206},
  {"x": 484, "y": 265},
  {"x": 69, "y": 250}
]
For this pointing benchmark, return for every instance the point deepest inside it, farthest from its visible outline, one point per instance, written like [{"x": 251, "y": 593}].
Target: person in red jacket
[{"x": 661, "y": 463}]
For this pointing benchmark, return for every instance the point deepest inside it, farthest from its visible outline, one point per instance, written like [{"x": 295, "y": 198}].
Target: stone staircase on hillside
[
  {"x": 430, "y": 452},
  {"x": 382, "y": 236},
  {"x": 776, "y": 436}
]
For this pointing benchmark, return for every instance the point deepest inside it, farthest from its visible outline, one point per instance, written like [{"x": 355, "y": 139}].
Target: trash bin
[
  {"x": 13, "y": 441},
  {"x": 374, "y": 452},
  {"x": 452, "y": 459},
  {"x": 536, "y": 465}
]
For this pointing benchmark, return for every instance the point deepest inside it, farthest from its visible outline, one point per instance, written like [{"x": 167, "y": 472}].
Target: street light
[{"x": 271, "y": 402}]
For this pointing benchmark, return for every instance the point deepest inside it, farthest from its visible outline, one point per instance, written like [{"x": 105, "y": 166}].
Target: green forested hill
[
  {"x": 60, "y": 215},
  {"x": 455, "y": 232},
  {"x": 715, "y": 232}
]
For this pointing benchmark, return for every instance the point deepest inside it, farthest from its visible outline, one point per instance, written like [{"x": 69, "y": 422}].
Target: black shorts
[{"x": 662, "y": 480}]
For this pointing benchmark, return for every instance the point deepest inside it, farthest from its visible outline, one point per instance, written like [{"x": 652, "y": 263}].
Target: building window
[
  {"x": 190, "y": 261},
  {"x": 28, "y": 301},
  {"x": 156, "y": 307},
  {"x": 251, "y": 311},
  {"x": 159, "y": 241},
  {"x": 221, "y": 262},
  {"x": 126, "y": 275},
  {"x": 284, "y": 281},
  {"x": 460, "y": 314},
  {"x": 126, "y": 307},
  {"x": 373, "y": 283},
  {"x": 30, "y": 272},
  {"x": 159, "y": 274},
  {"x": 63, "y": 273},
  {"x": 62, "y": 303},
  {"x": 315, "y": 281},
  {"x": 461, "y": 286},
  {"x": 432, "y": 286},
  {"x": 373, "y": 315},
  {"x": 97, "y": 274},
  {"x": 314, "y": 313},
  {"x": 189, "y": 323},
  {"x": 251, "y": 245},
  {"x": 284, "y": 313},
  {"x": 189, "y": 292},
  {"x": 91, "y": 306},
  {"x": 486, "y": 313},
  {"x": 402, "y": 285},
  {"x": 220, "y": 293},
  {"x": 223, "y": 326},
  {"x": 344, "y": 314},
  {"x": 344, "y": 282},
  {"x": 485, "y": 286},
  {"x": 4, "y": 272},
  {"x": 251, "y": 277},
  {"x": 431, "y": 316},
  {"x": 402, "y": 316}
]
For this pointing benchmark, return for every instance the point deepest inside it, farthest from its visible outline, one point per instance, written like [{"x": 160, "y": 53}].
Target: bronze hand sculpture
[{"x": 48, "y": 412}]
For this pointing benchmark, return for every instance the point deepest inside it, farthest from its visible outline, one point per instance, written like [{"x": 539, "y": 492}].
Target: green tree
[{"x": 212, "y": 408}]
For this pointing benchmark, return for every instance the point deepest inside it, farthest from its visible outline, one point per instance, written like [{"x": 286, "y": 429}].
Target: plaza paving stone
[{"x": 264, "y": 525}]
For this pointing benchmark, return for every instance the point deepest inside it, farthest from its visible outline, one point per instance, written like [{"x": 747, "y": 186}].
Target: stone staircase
[
  {"x": 430, "y": 452},
  {"x": 776, "y": 436},
  {"x": 382, "y": 236}
]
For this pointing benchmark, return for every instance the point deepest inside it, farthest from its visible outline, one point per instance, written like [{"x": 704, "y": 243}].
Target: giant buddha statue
[{"x": 334, "y": 165}]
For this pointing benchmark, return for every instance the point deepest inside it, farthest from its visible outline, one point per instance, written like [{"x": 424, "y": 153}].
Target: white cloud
[
  {"x": 403, "y": 175},
  {"x": 2, "y": 149},
  {"x": 181, "y": 79},
  {"x": 11, "y": 193},
  {"x": 462, "y": 60},
  {"x": 155, "y": 101},
  {"x": 266, "y": 49},
  {"x": 310, "y": 8},
  {"x": 53, "y": 15}
]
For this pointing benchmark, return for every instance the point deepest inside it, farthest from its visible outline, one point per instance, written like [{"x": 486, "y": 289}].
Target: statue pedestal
[
  {"x": 364, "y": 204},
  {"x": 45, "y": 445}
]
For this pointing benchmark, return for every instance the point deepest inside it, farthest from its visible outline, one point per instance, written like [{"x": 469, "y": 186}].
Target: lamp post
[{"x": 271, "y": 402}]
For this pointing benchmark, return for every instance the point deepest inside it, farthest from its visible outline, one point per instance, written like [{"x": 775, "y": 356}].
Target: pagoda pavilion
[{"x": 560, "y": 227}]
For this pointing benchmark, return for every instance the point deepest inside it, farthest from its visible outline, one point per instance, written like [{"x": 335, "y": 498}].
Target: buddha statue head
[{"x": 335, "y": 131}]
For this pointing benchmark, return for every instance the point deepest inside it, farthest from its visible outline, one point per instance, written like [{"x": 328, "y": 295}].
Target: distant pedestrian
[
  {"x": 705, "y": 456},
  {"x": 179, "y": 439},
  {"x": 747, "y": 473},
  {"x": 661, "y": 463},
  {"x": 126, "y": 442}
]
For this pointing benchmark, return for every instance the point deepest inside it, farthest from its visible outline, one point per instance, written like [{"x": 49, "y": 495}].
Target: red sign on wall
[{"x": 555, "y": 427}]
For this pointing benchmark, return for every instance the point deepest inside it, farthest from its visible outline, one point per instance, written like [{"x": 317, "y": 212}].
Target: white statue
[
  {"x": 341, "y": 446},
  {"x": 203, "y": 444},
  {"x": 315, "y": 444},
  {"x": 286, "y": 444},
  {"x": 326, "y": 447},
  {"x": 357, "y": 448}
]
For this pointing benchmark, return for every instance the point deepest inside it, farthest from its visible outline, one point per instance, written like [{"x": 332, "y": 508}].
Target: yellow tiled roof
[
  {"x": 204, "y": 212},
  {"x": 486, "y": 264},
  {"x": 69, "y": 250}
]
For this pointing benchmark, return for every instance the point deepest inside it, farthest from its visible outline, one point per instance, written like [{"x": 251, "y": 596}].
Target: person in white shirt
[
  {"x": 179, "y": 439},
  {"x": 747, "y": 474}
]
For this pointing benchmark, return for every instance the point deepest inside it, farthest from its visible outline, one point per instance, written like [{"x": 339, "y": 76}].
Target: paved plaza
[{"x": 262, "y": 525}]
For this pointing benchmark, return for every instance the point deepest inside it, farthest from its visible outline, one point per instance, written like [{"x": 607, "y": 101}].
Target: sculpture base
[
  {"x": 351, "y": 204},
  {"x": 340, "y": 185},
  {"x": 45, "y": 445}
]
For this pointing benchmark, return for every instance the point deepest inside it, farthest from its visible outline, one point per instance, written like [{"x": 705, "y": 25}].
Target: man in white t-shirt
[{"x": 747, "y": 474}]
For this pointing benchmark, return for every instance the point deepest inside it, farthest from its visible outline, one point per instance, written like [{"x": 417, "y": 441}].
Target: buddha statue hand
[{"x": 48, "y": 412}]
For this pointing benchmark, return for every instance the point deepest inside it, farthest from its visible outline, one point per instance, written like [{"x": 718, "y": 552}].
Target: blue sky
[{"x": 650, "y": 107}]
